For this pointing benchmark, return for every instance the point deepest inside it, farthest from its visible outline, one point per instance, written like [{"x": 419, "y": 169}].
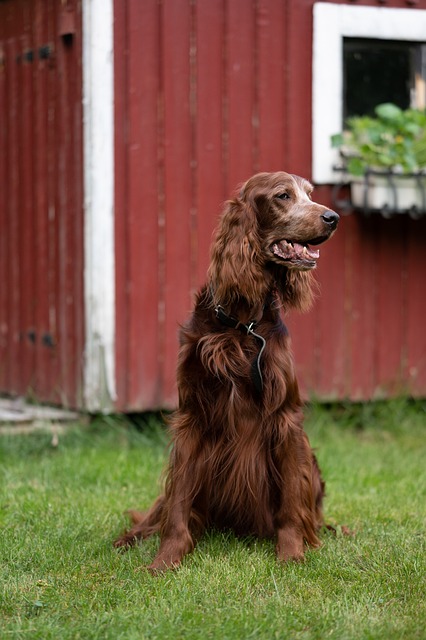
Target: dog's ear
[
  {"x": 297, "y": 289},
  {"x": 236, "y": 267}
]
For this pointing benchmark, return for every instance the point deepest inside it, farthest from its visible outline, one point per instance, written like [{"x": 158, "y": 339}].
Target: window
[
  {"x": 376, "y": 71},
  {"x": 362, "y": 56}
]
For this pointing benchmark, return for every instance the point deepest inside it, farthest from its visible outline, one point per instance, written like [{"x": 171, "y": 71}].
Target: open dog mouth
[{"x": 297, "y": 254}]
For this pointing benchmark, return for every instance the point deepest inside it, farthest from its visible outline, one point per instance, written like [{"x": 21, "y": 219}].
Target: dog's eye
[{"x": 282, "y": 196}]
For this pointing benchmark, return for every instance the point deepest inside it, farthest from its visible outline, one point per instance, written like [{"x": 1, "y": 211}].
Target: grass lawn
[{"x": 61, "y": 508}]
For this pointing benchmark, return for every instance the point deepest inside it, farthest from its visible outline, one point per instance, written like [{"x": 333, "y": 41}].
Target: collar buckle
[{"x": 233, "y": 323}]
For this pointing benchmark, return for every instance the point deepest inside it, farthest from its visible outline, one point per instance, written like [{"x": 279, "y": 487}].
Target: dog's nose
[{"x": 331, "y": 219}]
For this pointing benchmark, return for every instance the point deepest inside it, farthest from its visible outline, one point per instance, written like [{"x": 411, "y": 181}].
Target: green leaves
[
  {"x": 355, "y": 166},
  {"x": 394, "y": 139},
  {"x": 389, "y": 112}
]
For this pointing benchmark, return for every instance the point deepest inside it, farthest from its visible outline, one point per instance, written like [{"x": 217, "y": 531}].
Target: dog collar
[{"x": 234, "y": 323}]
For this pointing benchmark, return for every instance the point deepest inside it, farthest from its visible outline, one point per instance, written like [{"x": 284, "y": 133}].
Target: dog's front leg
[
  {"x": 176, "y": 538},
  {"x": 297, "y": 520},
  {"x": 290, "y": 543},
  {"x": 176, "y": 535}
]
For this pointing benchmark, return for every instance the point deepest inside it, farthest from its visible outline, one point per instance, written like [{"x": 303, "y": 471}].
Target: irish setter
[{"x": 240, "y": 458}]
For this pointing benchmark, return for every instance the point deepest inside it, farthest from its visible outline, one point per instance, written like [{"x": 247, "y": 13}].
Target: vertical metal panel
[
  {"x": 139, "y": 198},
  {"x": 14, "y": 210},
  {"x": 209, "y": 126},
  {"x": 27, "y": 226},
  {"x": 41, "y": 212},
  {"x": 42, "y": 204},
  {"x": 298, "y": 65},
  {"x": 143, "y": 182},
  {"x": 121, "y": 204},
  {"x": 415, "y": 309},
  {"x": 362, "y": 303},
  {"x": 390, "y": 318},
  {"x": 271, "y": 86},
  {"x": 178, "y": 194},
  {"x": 3, "y": 202},
  {"x": 240, "y": 92},
  {"x": 69, "y": 205}
]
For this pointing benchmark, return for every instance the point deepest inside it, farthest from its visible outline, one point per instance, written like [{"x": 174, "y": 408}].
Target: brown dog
[{"x": 240, "y": 457}]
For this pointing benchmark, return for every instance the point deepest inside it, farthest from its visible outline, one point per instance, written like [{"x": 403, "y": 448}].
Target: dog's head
[
  {"x": 268, "y": 238},
  {"x": 290, "y": 223}
]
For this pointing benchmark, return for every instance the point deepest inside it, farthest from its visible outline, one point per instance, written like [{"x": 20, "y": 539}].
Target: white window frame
[{"x": 333, "y": 23}]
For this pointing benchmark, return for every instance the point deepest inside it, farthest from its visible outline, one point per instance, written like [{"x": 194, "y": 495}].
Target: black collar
[{"x": 234, "y": 323}]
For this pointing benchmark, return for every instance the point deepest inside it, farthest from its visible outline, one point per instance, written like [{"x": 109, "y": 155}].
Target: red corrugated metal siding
[
  {"x": 415, "y": 310},
  {"x": 41, "y": 224},
  {"x": 200, "y": 68},
  {"x": 364, "y": 337},
  {"x": 209, "y": 92}
]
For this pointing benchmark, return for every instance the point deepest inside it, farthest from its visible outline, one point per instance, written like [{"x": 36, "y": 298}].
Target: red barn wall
[
  {"x": 209, "y": 92},
  {"x": 41, "y": 200}
]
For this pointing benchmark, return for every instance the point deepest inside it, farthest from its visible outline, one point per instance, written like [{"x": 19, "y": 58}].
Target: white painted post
[{"x": 99, "y": 273}]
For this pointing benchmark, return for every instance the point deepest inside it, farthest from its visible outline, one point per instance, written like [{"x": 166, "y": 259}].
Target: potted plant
[{"x": 385, "y": 158}]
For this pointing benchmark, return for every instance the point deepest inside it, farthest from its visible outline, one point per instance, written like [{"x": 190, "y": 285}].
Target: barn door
[{"x": 41, "y": 257}]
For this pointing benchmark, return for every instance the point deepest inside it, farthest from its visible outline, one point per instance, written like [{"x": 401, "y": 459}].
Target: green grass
[{"x": 61, "y": 507}]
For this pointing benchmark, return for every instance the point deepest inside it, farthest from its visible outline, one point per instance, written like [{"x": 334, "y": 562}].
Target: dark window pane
[{"x": 377, "y": 71}]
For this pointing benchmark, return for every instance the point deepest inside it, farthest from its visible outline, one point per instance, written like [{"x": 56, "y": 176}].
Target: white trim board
[
  {"x": 99, "y": 272},
  {"x": 332, "y": 23}
]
